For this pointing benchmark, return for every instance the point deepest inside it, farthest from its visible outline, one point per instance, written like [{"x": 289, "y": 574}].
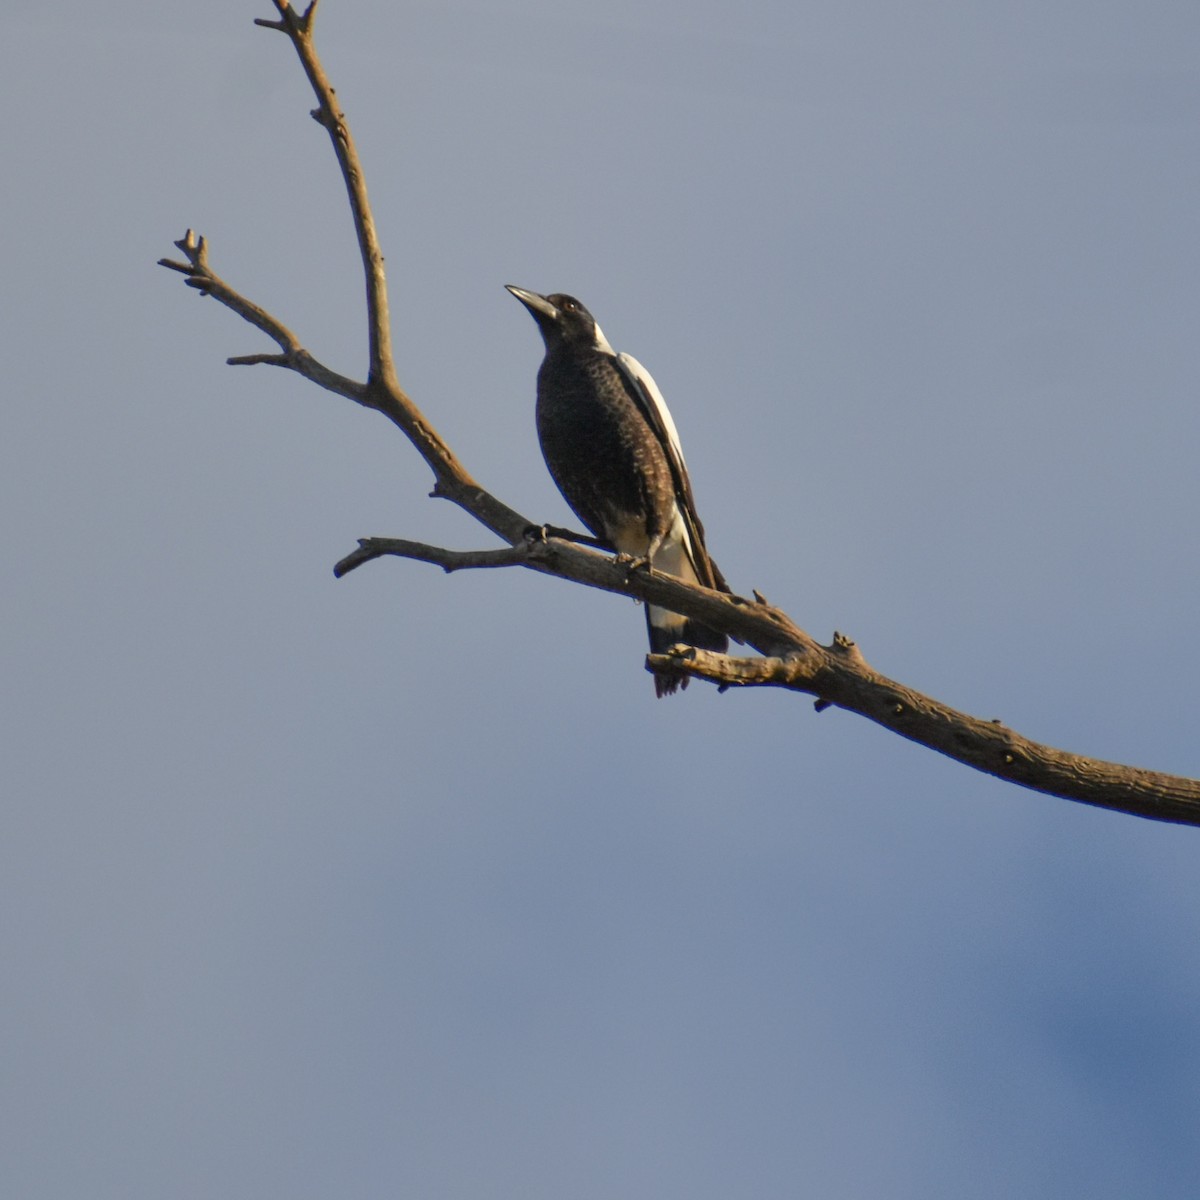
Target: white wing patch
[
  {"x": 674, "y": 556},
  {"x": 686, "y": 535},
  {"x": 643, "y": 379}
]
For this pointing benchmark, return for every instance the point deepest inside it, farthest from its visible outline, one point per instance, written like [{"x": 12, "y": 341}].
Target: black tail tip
[
  {"x": 667, "y": 683},
  {"x": 667, "y": 630}
]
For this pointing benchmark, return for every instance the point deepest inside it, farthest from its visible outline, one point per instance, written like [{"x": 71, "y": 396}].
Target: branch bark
[{"x": 837, "y": 674}]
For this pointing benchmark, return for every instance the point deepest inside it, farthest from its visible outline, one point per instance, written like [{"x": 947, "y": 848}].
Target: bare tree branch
[
  {"x": 837, "y": 674},
  {"x": 370, "y": 549},
  {"x": 381, "y": 390},
  {"x": 841, "y": 677},
  {"x": 330, "y": 116},
  {"x": 755, "y": 623},
  {"x": 202, "y": 277}
]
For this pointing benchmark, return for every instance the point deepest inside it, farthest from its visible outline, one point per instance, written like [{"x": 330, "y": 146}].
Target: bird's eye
[{"x": 570, "y": 305}]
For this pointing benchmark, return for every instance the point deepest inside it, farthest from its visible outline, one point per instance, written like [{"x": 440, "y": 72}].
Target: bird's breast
[{"x": 604, "y": 457}]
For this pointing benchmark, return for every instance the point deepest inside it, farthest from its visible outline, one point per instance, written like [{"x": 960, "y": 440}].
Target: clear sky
[{"x": 405, "y": 885}]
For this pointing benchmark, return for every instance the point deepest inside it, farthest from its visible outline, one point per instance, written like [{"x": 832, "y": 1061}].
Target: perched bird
[{"x": 613, "y": 450}]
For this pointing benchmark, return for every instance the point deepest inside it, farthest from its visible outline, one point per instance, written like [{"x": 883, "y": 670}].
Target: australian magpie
[{"x": 614, "y": 452}]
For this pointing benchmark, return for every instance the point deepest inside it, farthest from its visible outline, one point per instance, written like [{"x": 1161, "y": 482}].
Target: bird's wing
[{"x": 654, "y": 408}]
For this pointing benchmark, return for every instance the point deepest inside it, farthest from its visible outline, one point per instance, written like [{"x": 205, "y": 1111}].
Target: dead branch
[
  {"x": 837, "y": 674},
  {"x": 841, "y": 677}
]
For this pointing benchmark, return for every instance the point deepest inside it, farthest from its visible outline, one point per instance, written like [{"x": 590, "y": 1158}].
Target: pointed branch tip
[{"x": 252, "y": 360}]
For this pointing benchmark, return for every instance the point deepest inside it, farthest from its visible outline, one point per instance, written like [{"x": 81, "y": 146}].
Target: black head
[{"x": 562, "y": 320}]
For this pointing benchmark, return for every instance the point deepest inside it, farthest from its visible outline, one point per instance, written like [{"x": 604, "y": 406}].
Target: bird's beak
[{"x": 538, "y": 305}]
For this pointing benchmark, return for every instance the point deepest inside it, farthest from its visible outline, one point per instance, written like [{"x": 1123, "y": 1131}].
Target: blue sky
[{"x": 405, "y": 885}]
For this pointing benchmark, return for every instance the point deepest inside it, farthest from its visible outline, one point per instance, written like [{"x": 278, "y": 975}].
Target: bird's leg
[{"x": 643, "y": 562}]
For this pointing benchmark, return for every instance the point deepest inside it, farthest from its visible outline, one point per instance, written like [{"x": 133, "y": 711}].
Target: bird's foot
[
  {"x": 535, "y": 533},
  {"x": 632, "y": 564}
]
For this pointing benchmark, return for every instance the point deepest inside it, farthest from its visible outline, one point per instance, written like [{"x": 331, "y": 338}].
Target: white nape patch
[
  {"x": 643, "y": 378},
  {"x": 600, "y": 341}
]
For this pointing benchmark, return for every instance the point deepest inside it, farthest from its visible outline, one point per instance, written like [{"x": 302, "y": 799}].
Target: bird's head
[{"x": 562, "y": 320}]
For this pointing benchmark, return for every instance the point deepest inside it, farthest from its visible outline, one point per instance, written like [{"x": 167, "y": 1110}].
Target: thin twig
[
  {"x": 448, "y": 560},
  {"x": 201, "y": 276},
  {"x": 330, "y": 116}
]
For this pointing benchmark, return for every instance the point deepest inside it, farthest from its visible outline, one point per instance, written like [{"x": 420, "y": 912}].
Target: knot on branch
[{"x": 848, "y": 648}]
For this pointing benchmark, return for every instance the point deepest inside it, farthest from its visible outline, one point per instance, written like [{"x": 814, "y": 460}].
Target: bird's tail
[{"x": 665, "y": 629}]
